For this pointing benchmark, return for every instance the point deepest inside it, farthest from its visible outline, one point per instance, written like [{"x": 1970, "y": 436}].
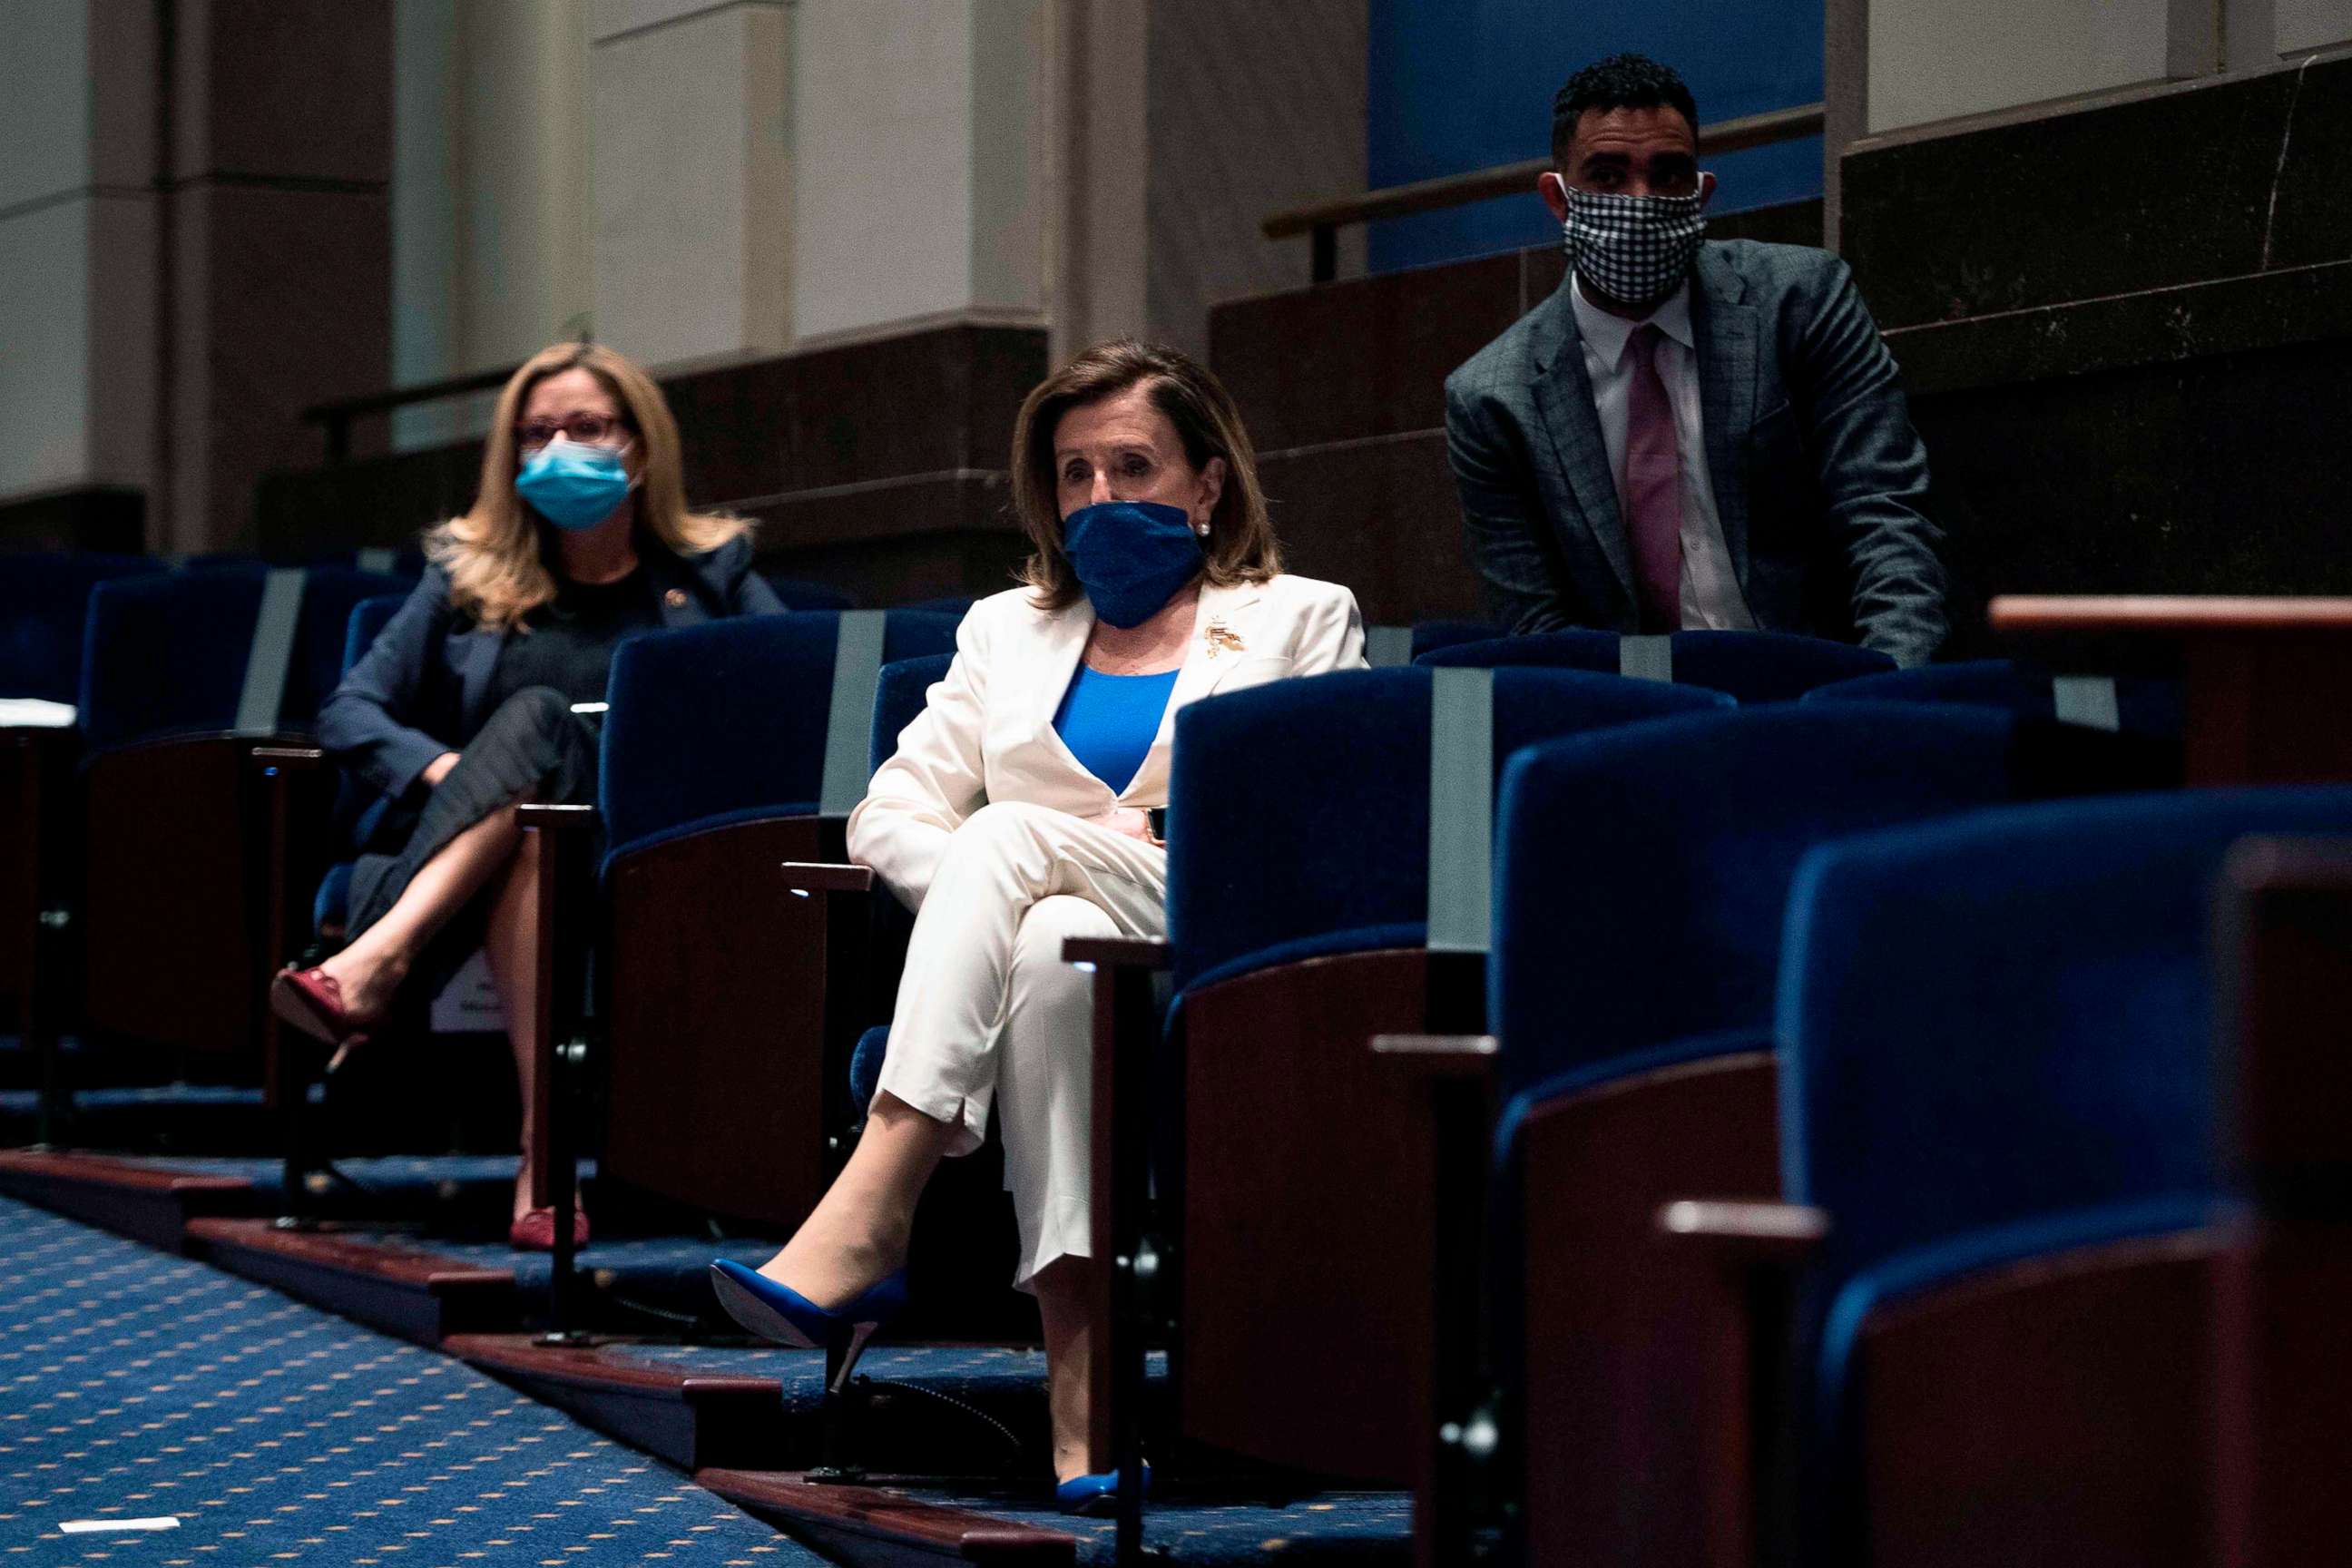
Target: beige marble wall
[
  {"x": 1930, "y": 60},
  {"x": 692, "y": 176},
  {"x": 2306, "y": 25},
  {"x": 915, "y": 181},
  {"x": 1253, "y": 108},
  {"x": 491, "y": 211},
  {"x": 77, "y": 250}
]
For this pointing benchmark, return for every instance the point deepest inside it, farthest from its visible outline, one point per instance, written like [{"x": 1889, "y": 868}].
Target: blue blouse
[{"x": 1108, "y": 721}]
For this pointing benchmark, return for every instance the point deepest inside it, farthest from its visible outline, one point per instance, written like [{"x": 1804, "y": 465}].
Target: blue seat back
[
  {"x": 798, "y": 594},
  {"x": 1998, "y": 1045},
  {"x": 1575, "y": 649},
  {"x": 1428, "y": 636},
  {"x": 1298, "y": 811},
  {"x": 899, "y": 698},
  {"x": 331, "y": 597},
  {"x": 956, "y": 605},
  {"x": 727, "y": 720},
  {"x": 165, "y": 654},
  {"x": 44, "y": 611},
  {"x": 369, "y": 617},
  {"x": 2011, "y": 1016},
  {"x": 2143, "y": 706},
  {"x": 1754, "y": 666},
  {"x": 1642, "y": 874}
]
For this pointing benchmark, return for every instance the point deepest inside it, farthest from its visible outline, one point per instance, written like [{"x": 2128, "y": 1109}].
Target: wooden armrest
[
  {"x": 555, "y": 818},
  {"x": 1747, "y": 1235},
  {"x": 293, "y": 759},
  {"x": 1146, "y": 953},
  {"x": 814, "y": 877},
  {"x": 1439, "y": 1055}
]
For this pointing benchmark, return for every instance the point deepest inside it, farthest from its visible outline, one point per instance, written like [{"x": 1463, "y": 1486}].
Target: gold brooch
[{"x": 1221, "y": 639}]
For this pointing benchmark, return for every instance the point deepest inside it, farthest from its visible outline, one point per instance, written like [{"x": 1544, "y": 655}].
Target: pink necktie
[{"x": 1653, "y": 489}]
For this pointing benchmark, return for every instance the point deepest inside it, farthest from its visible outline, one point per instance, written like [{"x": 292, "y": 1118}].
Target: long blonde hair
[{"x": 491, "y": 554}]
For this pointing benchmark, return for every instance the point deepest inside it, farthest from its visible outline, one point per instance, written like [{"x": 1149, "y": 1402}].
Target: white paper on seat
[
  {"x": 101, "y": 1526},
  {"x": 469, "y": 1003},
  {"x": 32, "y": 713}
]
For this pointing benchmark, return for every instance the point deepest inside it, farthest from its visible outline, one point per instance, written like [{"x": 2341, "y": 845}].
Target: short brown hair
[{"x": 1240, "y": 546}]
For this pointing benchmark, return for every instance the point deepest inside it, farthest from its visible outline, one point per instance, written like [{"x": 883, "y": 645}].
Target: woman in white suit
[{"x": 1014, "y": 815}]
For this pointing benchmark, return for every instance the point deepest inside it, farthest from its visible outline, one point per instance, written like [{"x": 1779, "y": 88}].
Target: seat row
[{"x": 1626, "y": 944}]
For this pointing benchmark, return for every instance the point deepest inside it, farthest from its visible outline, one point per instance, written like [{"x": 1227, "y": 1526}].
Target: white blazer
[{"x": 986, "y": 731}]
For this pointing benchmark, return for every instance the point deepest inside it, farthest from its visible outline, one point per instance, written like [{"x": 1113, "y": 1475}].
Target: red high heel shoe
[
  {"x": 312, "y": 1001},
  {"x": 535, "y": 1231}
]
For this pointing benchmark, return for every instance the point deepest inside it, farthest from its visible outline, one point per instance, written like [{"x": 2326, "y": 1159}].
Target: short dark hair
[{"x": 1620, "y": 82}]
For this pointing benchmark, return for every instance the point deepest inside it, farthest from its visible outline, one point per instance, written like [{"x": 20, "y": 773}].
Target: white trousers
[{"x": 988, "y": 1013}]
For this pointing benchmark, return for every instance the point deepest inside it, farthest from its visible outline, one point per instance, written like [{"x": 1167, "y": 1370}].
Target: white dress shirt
[{"x": 1711, "y": 599}]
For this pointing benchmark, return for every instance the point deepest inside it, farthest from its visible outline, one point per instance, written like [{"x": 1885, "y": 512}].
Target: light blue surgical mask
[
  {"x": 1130, "y": 557},
  {"x": 574, "y": 486}
]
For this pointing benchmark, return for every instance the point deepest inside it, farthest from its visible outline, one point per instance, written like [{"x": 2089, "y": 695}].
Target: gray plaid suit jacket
[{"x": 1820, "y": 480}]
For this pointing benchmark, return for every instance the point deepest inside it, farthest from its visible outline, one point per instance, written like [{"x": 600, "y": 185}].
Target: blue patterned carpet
[
  {"x": 137, "y": 1385},
  {"x": 1366, "y": 1528}
]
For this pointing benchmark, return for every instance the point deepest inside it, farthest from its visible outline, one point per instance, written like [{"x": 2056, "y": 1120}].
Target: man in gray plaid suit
[{"x": 1688, "y": 432}]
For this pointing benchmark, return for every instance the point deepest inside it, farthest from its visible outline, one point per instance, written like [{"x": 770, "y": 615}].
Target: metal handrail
[
  {"x": 339, "y": 416},
  {"x": 1325, "y": 219}
]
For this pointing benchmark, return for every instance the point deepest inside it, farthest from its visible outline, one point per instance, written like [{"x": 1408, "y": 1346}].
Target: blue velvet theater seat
[
  {"x": 1754, "y": 666},
  {"x": 798, "y": 594},
  {"x": 178, "y": 880},
  {"x": 1428, "y": 636},
  {"x": 357, "y": 807},
  {"x": 956, "y": 605},
  {"x": 1337, "y": 860},
  {"x": 2143, "y": 706},
  {"x": 731, "y": 1001},
  {"x": 714, "y": 723},
  {"x": 1663, "y": 930},
  {"x": 1298, "y": 896},
  {"x": 1640, "y": 884},
  {"x": 2000, "y": 1089},
  {"x": 165, "y": 654},
  {"x": 44, "y": 609},
  {"x": 899, "y": 697}
]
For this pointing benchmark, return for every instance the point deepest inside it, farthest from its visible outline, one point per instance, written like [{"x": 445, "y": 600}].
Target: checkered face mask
[{"x": 1634, "y": 249}]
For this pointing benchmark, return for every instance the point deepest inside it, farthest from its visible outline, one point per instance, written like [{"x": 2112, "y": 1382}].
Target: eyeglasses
[{"x": 586, "y": 430}]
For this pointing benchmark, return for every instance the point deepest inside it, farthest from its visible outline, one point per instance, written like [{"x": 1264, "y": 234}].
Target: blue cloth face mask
[
  {"x": 573, "y": 486},
  {"x": 1130, "y": 557}
]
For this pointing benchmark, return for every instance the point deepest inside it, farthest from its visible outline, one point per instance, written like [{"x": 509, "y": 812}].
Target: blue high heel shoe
[
  {"x": 1094, "y": 1496},
  {"x": 779, "y": 1312}
]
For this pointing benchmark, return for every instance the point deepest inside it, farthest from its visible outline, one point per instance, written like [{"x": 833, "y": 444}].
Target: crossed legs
[
  {"x": 988, "y": 1011},
  {"x": 531, "y": 741}
]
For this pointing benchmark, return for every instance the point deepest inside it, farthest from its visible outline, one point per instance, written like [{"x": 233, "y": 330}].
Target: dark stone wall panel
[
  {"x": 2190, "y": 321},
  {"x": 919, "y": 504},
  {"x": 1365, "y": 357},
  {"x": 289, "y": 292},
  {"x": 875, "y": 465},
  {"x": 1380, "y": 516},
  {"x": 94, "y": 517},
  {"x": 2178, "y": 186},
  {"x": 928, "y": 401},
  {"x": 2214, "y": 477},
  {"x": 374, "y": 501},
  {"x": 296, "y": 90}
]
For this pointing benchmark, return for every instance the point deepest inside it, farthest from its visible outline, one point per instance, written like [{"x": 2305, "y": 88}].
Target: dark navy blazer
[{"x": 421, "y": 690}]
